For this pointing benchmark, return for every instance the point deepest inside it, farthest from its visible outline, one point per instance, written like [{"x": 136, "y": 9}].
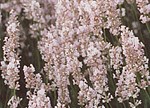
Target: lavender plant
[{"x": 74, "y": 53}]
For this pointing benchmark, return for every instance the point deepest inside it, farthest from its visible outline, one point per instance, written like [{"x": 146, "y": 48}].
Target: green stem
[
  {"x": 14, "y": 92},
  {"x": 148, "y": 28},
  {"x": 55, "y": 97},
  {"x": 107, "y": 105},
  {"x": 110, "y": 105},
  {"x": 104, "y": 35},
  {"x": 38, "y": 57},
  {"x": 147, "y": 94},
  {"x": 124, "y": 105},
  {"x": 134, "y": 12}
]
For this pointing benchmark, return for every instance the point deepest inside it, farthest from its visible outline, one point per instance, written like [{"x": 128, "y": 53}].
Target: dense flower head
[
  {"x": 32, "y": 80},
  {"x": 135, "y": 62},
  {"x": 116, "y": 59},
  {"x": 11, "y": 64},
  {"x": 144, "y": 9},
  {"x": 134, "y": 52},
  {"x": 38, "y": 99}
]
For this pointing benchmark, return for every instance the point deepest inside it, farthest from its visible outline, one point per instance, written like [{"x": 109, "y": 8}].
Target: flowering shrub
[{"x": 74, "y": 53}]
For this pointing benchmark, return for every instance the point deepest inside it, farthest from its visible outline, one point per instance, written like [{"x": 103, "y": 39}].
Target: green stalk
[
  {"x": 148, "y": 28},
  {"x": 104, "y": 35},
  {"x": 38, "y": 57},
  {"x": 124, "y": 105},
  {"x": 147, "y": 94},
  {"x": 14, "y": 92},
  {"x": 107, "y": 105},
  {"x": 55, "y": 97},
  {"x": 110, "y": 105}
]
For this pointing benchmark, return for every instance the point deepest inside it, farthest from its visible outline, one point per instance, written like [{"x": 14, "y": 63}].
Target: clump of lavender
[{"x": 75, "y": 53}]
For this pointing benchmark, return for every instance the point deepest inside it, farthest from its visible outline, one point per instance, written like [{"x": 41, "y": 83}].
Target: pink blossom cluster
[
  {"x": 72, "y": 40},
  {"x": 144, "y": 9}
]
